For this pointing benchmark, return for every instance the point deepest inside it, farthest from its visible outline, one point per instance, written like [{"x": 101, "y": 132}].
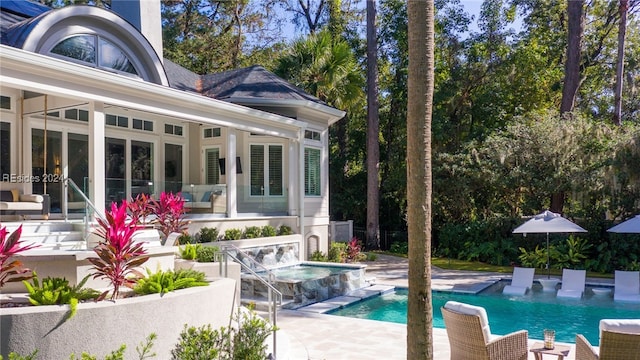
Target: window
[
  {"x": 266, "y": 170},
  {"x": 312, "y": 135},
  {"x": 5, "y": 150},
  {"x": 145, "y": 125},
  {"x": 5, "y": 102},
  {"x": 211, "y": 133},
  {"x": 119, "y": 121},
  {"x": 173, "y": 129},
  {"x": 76, "y": 114},
  {"x": 212, "y": 166},
  {"x": 95, "y": 51},
  {"x": 312, "y": 172}
]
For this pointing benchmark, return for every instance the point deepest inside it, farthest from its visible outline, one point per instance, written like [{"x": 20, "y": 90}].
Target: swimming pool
[{"x": 534, "y": 312}]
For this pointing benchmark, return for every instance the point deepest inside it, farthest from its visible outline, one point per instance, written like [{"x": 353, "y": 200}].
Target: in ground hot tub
[{"x": 308, "y": 282}]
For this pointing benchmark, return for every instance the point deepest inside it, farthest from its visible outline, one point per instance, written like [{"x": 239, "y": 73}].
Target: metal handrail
[
  {"x": 88, "y": 205},
  {"x": 270, "y": 275},
  {"x": 271, "y": 290}
]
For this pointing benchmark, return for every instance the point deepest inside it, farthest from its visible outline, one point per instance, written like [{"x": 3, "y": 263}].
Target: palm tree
[{"x": 419, "y": 183}]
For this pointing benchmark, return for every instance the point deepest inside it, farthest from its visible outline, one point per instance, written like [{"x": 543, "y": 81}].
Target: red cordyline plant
[
  {"x": 118, "y": 256},
  {"x": 11, "y": 270},
  {"x": 170, "y": 211},
  {"x": 353, "y": 249},
  {"x": 141, "y": 207}
]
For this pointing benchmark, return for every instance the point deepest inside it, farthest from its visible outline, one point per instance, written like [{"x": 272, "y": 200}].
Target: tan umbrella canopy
[{"x": 545, "y": 223}]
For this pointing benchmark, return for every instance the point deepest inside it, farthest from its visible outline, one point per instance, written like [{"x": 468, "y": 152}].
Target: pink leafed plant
[
  {"x": 170, "y": 211},
  {"x": 141, "y": 207},
  {"x": 353, "y": 249},
  {"x": 118, "y": 256},
  {"x": 11, "y": 270}
]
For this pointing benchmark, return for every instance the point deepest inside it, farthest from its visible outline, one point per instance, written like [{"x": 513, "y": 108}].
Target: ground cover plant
[{"x": 58, "y": 291}]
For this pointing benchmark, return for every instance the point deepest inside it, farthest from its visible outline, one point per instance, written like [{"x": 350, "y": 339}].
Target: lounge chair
[
  {"x": 627, "y": 286},
  {"x": 619, "y": 340},
  {"x": 572, "y": 283},
  {"x": 470, "y": 336},
  {"x": 521, "y": 281}
]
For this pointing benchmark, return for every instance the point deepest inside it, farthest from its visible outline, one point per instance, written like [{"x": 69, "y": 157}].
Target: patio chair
[
  {"x": 572, "y": 283},
  {"x": 627, "y": 286},
  {"x": 619, "y": 340},
  {"x": 470, "y": 336},
  {"x": 521, "y": 281}
]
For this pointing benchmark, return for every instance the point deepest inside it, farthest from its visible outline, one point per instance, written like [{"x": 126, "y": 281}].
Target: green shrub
[
  {"x": 268, "y": 231},
  {"x": 252, "y": 232},
  {"x": 318, "y": 256},
  {"x": 57, "y": 291},
  {"x": 200, "y": 343},
  {"x": 15, "y": 356},
  {"x": 400, "y": 247},
  {"x": 185, "y": 238},
  {"x": 232, "y": 234},
  {"x": 206, "y": 253},
  {"x": 189, "y": 252},
  {"x": 284, "y": 230},
  {"x": 162, "y": 282},
  {"x": 371, "y": 256},
  {"x": 337, "y": 252},
  {"x": 207, "y": 234}
]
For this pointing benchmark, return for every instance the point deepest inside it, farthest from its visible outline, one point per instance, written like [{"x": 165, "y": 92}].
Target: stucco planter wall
[
  {"x": 99, "y": 328},
  {"x": 213, "y": 270}
]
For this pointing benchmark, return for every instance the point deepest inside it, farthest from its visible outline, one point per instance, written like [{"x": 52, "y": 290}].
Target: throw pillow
[{"x": 16, "y": 195}]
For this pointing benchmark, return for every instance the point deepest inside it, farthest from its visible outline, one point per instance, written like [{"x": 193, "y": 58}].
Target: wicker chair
[
  {"x": 619, "y": 340},
  {"x": 470, "y": 337}
]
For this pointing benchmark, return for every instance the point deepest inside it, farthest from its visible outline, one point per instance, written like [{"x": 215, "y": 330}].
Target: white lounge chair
[
  {"x": 627, "y": 286},
  {"x": 572, "y": 283},
  {"x": 521, "y": 281}
]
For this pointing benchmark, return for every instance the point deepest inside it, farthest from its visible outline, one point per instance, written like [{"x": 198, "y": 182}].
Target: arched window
[{"x": 95, "y": 51}]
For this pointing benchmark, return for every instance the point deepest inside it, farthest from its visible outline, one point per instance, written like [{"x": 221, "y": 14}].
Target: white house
[{"x": 86, "y": 95}]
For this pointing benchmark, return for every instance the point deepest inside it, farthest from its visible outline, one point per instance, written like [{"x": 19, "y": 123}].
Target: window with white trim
[
  {"x": 312, "y": 172},
  {"x": 266, "y": 170},
  {"x": 95, "y": 51},
  {"x": 212, "y": 166},
  {"x": 173, "y": 129},
  {"x": 208, "y": 133}
]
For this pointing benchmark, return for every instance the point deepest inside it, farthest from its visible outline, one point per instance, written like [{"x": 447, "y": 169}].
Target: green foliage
[
  {"x": 206, "y": 253},
  {"x": 189, "y": 252},
  {"x": 284, "y": 230},
  {"x": 207, "y": 234},
  {"x": 232, "y": 234},
  {"x": 268, "y": 231},
  {"x": 400, "y": 247},
  {"x": 162, "y": 282},
  {"x": 143, "y": 350},
  {"x": 370, "y": 256},
  {"x": 318, "y": 256},
  {"x": 337, "y": 252},
  {"x": 570, "y": 254},
  {"x": 57, "y": 291},
  {"x": 14, "y": 356},
  {"x": 252, "y": 232},
  {"x": 536, "y": 258},
  {"x": 246, "y": 341},
  {"x": 185, "y": 238}
]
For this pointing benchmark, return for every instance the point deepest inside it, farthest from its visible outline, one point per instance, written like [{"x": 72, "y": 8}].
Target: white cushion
[
  {"x": 31, "y": 198},
  {"x": 629, "y": 326},
  {"x": 463, "y": 308}
]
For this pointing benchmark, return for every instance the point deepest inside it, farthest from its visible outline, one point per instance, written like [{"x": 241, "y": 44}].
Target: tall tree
[
  {"x": 373, "y": 132},
  {"x": 421, "y": 78},
  {"x": 622, "y": 31},
  {"x": 575, "y": 31}
]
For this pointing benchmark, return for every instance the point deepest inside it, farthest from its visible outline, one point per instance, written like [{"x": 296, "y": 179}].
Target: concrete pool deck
[{"x": 315, "y": 336}]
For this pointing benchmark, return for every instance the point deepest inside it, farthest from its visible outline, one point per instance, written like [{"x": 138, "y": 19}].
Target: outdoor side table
[
  {"x": 548, "y": 284},
  {"x": 559, "y": 350}
]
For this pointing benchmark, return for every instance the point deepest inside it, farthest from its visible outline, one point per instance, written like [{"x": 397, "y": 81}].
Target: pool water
[
  {"x": 308, "y": 272},
  {"x": 534, "y": 312}
]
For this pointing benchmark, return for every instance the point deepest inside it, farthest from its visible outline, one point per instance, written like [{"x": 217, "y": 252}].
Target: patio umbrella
[
  {"x": 548, "y": 222},
  {"x": 630, "y": 226}
]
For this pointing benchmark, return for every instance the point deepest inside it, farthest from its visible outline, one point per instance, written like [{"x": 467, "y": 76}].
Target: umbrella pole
[{"x": 548, "y": 268}]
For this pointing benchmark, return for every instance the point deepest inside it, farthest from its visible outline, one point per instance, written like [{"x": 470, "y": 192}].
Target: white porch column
[
  {"x": 97, "y": 181},
  {"x": 300, "y": 182},
  {"x": 232, "y": 177},
  {"x": 293, "y": 192}
]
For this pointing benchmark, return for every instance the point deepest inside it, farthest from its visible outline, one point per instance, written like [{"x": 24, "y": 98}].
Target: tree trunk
[
  {"x": 420, "y": 89},
  {"x": 575, "y": 31},
  {"x": 622, "y": 32},
  {"x": 373, "y": 130}
]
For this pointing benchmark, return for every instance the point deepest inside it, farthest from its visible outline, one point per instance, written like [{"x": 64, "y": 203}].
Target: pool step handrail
[
  {"x": 270, "y": 275},
  {"x": 90, "y": 208},
  {"x": 273, "y": 301}
]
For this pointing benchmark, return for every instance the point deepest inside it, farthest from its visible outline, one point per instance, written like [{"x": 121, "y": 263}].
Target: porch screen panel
[
  {"x": 115, "y": 170},
  {"x": 312, "y": 172},
  {"x": 173, "y": 168},
  {"x": 213, "y": 166},
  {"x": 141, "y": 168},
  {"x": 78, "y": 169},
  {"x": 257, "y": 170},
  {"x": 46, "y": 172},
  {"x": 5, "y": 150},
  {"x": 275, "y": 170}
]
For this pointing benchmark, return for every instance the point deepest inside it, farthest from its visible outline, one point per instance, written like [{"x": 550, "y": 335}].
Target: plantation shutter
[
  {"x": 312, "y": 172},
  {"x": 257, "y": 170},
  {"x": 212, "y": 166},
  {"x": 275, "y": 170}
]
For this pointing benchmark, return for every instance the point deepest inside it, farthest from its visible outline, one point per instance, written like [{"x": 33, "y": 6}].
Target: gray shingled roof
[
  {"x": 252, "y": 82},
  {"x": 181, "y": 78}
]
